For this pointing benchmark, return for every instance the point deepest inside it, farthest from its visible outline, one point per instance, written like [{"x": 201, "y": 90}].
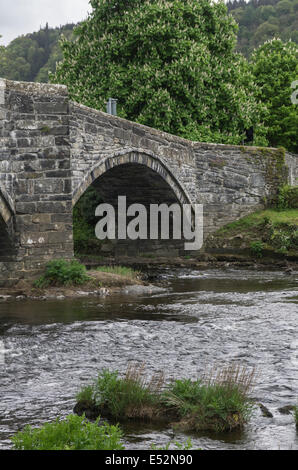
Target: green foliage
[
  {"x": 171, "y": 65},
  {"x": 257, "y": 248},
  {"x": 73, "y": 433},
  {"x": 31, "y": 57},
  {"x": 215, "y": 406},
  {"x": 275, "y": 68},
  {"x": 262, "y": 20},
  {"x": 287, "y": 197},
  {"x": 63, "y": 273},
  {"x": 296, "y": 415},
  {"x": 220, "y": 404},
  {"x": 85, "y": 394},
  {"x": 120, "y": 270},
  {"x": 84, "y": 222},
  {"x": 121, "y": 396}
]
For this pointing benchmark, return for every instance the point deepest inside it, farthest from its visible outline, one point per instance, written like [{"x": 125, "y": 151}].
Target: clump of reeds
[{"x": 219, "y": 401}]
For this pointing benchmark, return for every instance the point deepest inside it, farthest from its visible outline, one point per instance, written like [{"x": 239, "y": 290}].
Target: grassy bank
[
  {"x": 219, "y": 402},
  {"x": 270, "y": 232}
]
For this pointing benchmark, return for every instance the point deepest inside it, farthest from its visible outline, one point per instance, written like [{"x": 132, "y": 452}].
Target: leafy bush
[
  {"x": 287, "y": 198},
  {"x": 257, "y": 248},
  {"x": 74, "y": 433},
  {"x": 62, "y": 273},
  {"x": 84, "y": 222}
]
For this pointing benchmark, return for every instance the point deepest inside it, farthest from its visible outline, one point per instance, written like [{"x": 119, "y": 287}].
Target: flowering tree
[
  {"x": 170, "y": 63},
  {"x": 275, "y": 67}
]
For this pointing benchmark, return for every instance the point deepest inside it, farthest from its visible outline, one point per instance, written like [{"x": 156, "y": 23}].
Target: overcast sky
[{"x": 25, "y": 16}]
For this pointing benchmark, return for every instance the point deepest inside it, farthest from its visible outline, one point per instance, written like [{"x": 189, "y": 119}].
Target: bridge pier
[{"x": 35, "y": 171}]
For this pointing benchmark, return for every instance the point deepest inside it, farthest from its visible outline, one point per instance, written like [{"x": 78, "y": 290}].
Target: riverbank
[{"x": 99, "y": 284}]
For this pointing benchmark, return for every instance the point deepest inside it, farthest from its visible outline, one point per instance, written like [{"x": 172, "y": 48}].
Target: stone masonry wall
[{"x": 36, "y": 173}]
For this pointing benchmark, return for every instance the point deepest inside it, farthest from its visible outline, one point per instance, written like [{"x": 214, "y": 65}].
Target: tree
[
  {"x": 171, "y": 65},
  {"x": 275, "y": 67}
]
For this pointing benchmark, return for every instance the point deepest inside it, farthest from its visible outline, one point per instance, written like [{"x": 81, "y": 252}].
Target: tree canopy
[
  {"x": 275, "y": 67},
  {"x": 171, "y": 65}
]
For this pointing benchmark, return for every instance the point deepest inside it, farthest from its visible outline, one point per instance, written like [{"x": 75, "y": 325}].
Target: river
[{"x": 200, "y": 319}]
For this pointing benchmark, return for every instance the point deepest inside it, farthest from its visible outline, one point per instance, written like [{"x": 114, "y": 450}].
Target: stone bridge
[{"x": 52, "y": 150}]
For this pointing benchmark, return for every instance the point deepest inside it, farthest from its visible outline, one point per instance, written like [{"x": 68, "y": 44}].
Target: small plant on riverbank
[
  {"x": 73, "y": 433},
  {"x": 219, "y": 402},
  {"x": 120, "y": 270},
  {"x": 62, "y": 273},
  {"x": 257, "y": 248},
  {"x": 287, "y": 198}
]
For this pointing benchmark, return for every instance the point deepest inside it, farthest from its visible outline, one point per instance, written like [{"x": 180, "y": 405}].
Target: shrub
[
  {"x": 287, "y": 198},
  {"x": 257, "y": 248},
  {"x": 74, "y": 433},
  {"x": 296, "y": 415},
  {"x": 84, "y": 222},
  {"x": 62, "y": 273}
]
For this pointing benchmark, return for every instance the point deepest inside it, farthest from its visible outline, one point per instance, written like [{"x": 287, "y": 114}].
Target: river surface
[{"x": 200, "y": 319}]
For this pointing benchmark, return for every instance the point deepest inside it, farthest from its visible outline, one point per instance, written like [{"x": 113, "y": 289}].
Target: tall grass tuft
[
  {"x": 219, "y": 402},
  {"x": 128, "y": 397},
  {"x": 120, "y": 270}
]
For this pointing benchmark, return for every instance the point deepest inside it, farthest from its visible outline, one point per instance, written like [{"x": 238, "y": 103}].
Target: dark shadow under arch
[{"x": 144, "y": 182}]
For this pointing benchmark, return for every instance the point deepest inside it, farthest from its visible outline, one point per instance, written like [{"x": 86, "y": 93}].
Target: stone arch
[
  {"x": 144, "y": 179},
  {"x": 137, "y": 157}
]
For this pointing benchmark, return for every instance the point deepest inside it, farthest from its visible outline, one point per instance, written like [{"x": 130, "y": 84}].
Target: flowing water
[{"x": 214, "y": 317}]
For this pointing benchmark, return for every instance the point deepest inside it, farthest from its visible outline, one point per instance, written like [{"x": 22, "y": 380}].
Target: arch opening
[{"x": 140, "y": 184}]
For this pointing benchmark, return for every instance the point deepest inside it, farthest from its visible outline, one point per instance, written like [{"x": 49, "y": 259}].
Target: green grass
[
  {"x": 123, "y": 397},
  {"x": 219, "y": 404},
  {"x": 120, "y": 270},
  {"x": 215, "y": 407},
  {"x": 289, "y": 216},
  {"x": 273, "y": 230},
  {"x": 62, "y": 273},
  {"x": 73, "y": 433}
]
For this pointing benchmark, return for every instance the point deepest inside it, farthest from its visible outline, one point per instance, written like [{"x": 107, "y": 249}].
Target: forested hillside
[
  {"x": 32, "y": 56},
  {"x": 260, "y": 20}
]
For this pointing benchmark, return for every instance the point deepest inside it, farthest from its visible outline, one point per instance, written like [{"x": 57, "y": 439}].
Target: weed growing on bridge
[
  {"x": 74, "y": 433},
  {"x": 62, "y": 273},
  {"x": 218, "y": 402}
]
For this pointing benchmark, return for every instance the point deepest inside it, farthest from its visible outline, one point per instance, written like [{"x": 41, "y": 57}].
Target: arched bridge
[{"x": 53, "y": 150}]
